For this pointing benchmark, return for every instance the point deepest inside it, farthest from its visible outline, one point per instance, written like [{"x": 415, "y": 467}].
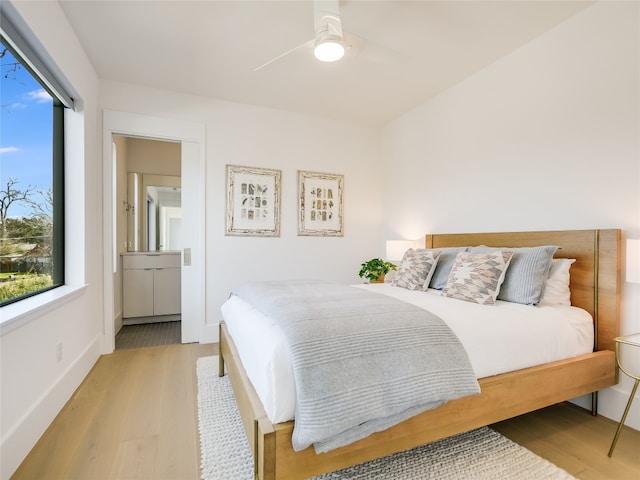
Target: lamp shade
[
  {"x": 396, "y": 249},
  {"x": 633, "y": 260}
]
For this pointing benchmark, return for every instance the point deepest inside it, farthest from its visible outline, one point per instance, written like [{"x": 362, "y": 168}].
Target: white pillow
[
  {"x": 477, "y": 277},
  {"x": 556, "y": 291}
]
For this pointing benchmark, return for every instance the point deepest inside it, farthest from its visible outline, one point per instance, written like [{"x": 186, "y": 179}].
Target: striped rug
[{"x": 480, "y": 454}]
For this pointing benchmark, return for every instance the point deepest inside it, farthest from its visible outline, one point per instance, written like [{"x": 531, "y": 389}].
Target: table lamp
[{"x": 396, "y": 248}]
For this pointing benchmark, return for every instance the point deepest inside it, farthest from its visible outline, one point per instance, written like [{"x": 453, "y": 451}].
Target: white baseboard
[
  {"x": 611, "y": 404},
  {"x": 152, "y": 319},
  {"x": 19, "y": 441}
]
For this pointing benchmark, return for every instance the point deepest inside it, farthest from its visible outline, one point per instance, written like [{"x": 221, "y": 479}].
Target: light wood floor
[
  {"x": 135, "y": 417},
  {"x": 576, "y": 441}
]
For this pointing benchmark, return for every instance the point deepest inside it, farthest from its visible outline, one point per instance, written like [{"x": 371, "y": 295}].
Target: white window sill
[{"x": 20, "y": 313}]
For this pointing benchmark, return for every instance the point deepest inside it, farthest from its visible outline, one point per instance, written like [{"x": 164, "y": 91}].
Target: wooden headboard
[{"x": 595, "y": 276}]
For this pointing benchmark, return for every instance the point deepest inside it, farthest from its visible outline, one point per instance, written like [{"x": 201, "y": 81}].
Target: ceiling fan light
[{"x": 328, "y": 49}]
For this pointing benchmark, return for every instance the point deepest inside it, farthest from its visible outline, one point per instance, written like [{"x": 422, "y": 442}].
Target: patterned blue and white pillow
[
  {"x": 527, "y": 275},
  {"x": 477, "y": 277},
  {"x": 416, "y": 268}
]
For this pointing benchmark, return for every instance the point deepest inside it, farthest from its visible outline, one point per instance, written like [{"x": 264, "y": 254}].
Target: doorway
[
  {"x": 147, "y": 224},
  {"x": 191, "y": 138}
]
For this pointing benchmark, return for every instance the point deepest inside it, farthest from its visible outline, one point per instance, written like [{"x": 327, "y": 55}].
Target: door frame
[{"x": 192, "y": 138}]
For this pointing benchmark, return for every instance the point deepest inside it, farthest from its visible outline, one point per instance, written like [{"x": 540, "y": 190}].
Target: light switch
[{"x": 187, "y": 257}]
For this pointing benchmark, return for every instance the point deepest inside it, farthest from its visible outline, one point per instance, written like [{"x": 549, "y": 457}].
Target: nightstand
[{"x": 634, "y": 341}]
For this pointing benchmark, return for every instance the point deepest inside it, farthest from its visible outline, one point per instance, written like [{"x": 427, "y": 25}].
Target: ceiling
[{"x": 411, "y": 51}]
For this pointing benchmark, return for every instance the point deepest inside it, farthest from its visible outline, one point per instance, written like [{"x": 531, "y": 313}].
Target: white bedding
[{"x": 499, "y": 338}]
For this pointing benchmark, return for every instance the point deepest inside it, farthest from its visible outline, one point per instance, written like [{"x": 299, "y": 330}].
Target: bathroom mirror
[{"x": 154, "y": 213}]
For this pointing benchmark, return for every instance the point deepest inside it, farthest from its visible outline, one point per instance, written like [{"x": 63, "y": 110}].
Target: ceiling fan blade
[
  {"x": 326, "y": 16},
  {"x": 308, "y": 43},
  {"x": 356, "y": 45}
]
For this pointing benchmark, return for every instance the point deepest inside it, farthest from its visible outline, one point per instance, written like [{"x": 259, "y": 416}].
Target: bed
[{"x": 594, "y": 288}]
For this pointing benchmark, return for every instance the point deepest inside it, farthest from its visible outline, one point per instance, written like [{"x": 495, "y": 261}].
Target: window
[{"x": 31, "y": 176}]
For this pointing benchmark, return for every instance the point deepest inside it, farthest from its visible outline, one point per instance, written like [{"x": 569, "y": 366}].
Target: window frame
[{"x": 58, "y": 156}]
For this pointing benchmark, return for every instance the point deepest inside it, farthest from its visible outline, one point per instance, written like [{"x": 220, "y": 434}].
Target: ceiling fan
[{"x": 330, "y": 43}]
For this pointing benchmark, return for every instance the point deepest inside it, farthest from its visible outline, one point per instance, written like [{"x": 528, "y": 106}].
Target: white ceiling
[{"x": 413, "y": 49}]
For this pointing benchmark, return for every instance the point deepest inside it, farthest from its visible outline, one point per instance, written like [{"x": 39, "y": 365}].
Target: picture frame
[
  {"x": 320, "y": 204},
  {"x": 253, "y": 201}
]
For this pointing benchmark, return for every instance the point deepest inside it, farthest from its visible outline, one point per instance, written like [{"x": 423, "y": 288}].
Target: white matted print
[
  {"x": 253, "y": 201},
  {"x": 320, "y": 204}
]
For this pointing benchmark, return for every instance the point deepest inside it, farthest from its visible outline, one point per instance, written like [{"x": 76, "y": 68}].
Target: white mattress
[{"x": 498, "y": 339}]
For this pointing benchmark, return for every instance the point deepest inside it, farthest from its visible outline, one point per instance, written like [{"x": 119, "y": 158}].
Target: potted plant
[{"x": 375, "y": 270}]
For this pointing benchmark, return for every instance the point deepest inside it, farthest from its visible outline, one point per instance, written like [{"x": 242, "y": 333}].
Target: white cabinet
[
  {"x": 150, "y": 285},
  {"x": 166, "y": 291},
  {"x": 137, "y": 292}
]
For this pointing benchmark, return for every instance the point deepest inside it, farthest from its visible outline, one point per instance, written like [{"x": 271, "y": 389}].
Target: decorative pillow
[
  {"x": 557, "y": 291},
  {"x": 476, "y": 277},
  {"x": 443, "y": 268},
  {"x": 528, "y": 271},
  {"x": 416, "y": 267}
]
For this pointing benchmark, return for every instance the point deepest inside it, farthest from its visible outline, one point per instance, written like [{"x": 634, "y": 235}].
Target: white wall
[
  {"x": 246, "y": 135},
  {"x": 546, "y": 138},
  {"x": 34, "y": 385}
]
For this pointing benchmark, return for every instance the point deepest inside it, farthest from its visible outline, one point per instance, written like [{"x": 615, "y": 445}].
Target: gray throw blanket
[{"x": 362, "y": 362}]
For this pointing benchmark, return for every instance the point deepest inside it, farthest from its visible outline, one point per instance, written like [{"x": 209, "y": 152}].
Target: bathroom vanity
[{"x": 150, "y": 287}]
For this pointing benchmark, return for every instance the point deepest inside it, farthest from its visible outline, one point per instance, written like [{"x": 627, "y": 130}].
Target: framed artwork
[
  {"x": 253, "y": 201},
  {"x": 320, "y": 204}
]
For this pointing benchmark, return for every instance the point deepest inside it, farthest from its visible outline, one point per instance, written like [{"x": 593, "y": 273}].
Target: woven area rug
[{"x": 478, "y": 454}]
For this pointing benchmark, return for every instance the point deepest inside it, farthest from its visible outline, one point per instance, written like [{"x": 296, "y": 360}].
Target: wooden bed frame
[{"x": 595, "y": 280}]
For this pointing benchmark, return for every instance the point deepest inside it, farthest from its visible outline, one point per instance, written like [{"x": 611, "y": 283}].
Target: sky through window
[{"x": 26, "y": 126}]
